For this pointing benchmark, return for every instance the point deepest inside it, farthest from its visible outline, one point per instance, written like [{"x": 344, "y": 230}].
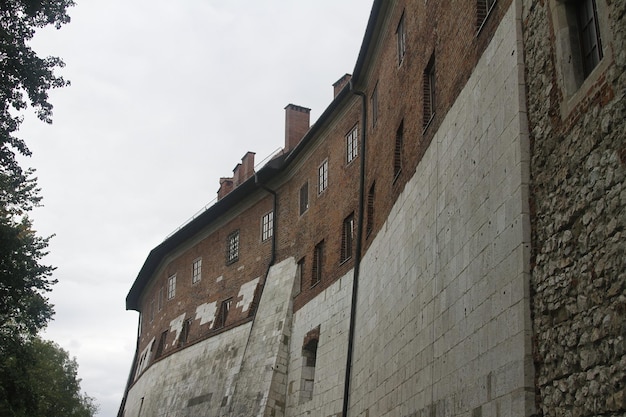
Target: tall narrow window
[
  {"x": 375, "y": 106},
  {"x": 429, "y": 92},
  {"x": 222, "y": 314},
  {"x": 397, "y": 154},
  {"x": 322, "y": 177},
  {"x": 318, "y": 258},
  {"x": 267, "y": 226},
  {"x": 196, "y": 271},
  {"x": 161, "y": 345},
  {"x": 401, "y": 37},
  {"x": 297, "y": 285},
  {"x": 483, "y": 7},
  {"x": 152, "y": 310},
  {"x": 352, "y": 144},
  {"x": 589, "y": 31},
  {"x": 304, "y": 197},
  {"x": 184, "y": 333},
  {"x": 232, "y": 247},
  {"x": 171, "y": 287},
  {"x": 160, "y": 298},
  {"x": 370, "y": 209},
  {"x": 309, "y": 362},
  {"x": 347, "y": 237}
]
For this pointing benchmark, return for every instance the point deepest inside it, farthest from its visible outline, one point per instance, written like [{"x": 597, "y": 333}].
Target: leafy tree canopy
[
  {"x": 39, "y": 379},
  {"x": 24, "y": 78}
]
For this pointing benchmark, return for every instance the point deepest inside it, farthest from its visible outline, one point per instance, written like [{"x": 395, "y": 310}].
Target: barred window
[
  {"x": 232, "y": 248},
  {"x": 370, "y": 209},
  {"x": 375, "y": 106},
  {"x": 397, "y": 155},
  {"x": 429, "y": 92},
  {"x": 347, "y": 237},
  {"x": 318, "y": 256},
  {"x": 483, "y": 8}
]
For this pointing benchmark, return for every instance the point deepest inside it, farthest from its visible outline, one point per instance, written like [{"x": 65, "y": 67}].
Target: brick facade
[{"x": 491, "y": 270}]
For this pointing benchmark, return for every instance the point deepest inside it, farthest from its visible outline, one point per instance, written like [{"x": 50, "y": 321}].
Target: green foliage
[{"x": 39, "y": 379}]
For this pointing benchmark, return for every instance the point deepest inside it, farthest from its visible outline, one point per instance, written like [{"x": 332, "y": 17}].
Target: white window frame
[
  {"x": 171, "y": 287},
  {"x": 232, "y": 249},
  {"x": 267, "y": 226},
  {"x": 322, "y": 177},
  {"x": 352, "y": 144},
  {"x": 196, "y": 271}
]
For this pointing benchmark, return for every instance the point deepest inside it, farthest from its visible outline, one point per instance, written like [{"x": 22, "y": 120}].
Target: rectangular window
[
  {"x": 196, "y": 271},
  {"x": 171, "y": 287},
  {"x": 352, "y": 144},
  {"x": 299, "y": 275},
  {"x": 589, "y": 32},
  {"x": 322, "y": 177},
  {"x": 304, "y": 197},
  {"x": 429, "y": 92},
  {"x": 397, "y": 154},
  {"x": 160, "y": 298},
  {"x": 232, "y": 247},
  {"x": 401, "y": 37},
  {"x": 161, "y": 345},
  {"x": 483, "y": 8},
  {"x": 370, "y": 209},
  {"x": 222, "y": 314},
  {"x": 318, "y": 257},
  {"x": 152, "y": 310},
  {"x": 267, "y": 226},
  {"x": 347, "y": 237},
  {"x": 375, "y": 106},
  {"x": 184, "y": 333}
]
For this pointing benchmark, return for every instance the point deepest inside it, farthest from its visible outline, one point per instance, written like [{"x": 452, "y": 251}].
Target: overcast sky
[{"x": 166, "y": 98}]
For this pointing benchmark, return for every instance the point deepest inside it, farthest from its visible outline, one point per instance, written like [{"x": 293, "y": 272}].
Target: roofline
[{"x": 266, "y": 173}]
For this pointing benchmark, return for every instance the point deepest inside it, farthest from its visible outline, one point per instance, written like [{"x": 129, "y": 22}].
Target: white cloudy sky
[{"x": 166, "y": 97}]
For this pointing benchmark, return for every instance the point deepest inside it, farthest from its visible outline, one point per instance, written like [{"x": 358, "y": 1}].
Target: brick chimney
[
  {"x": 340, "y": 83},
  {"x": 245, "y": 169},
  {"x": 297, "y": 121},
  {"x": 226, "y": 186}
]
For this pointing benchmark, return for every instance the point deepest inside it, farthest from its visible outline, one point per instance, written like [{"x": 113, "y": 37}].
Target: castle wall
[
  {"x": 443, "y": 320},
  {"x": 578, "y": 192}
]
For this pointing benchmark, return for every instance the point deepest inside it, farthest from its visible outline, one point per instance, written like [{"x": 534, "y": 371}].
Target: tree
[
  {"x": 24, "y": 77},
  {"x": 40, "y": 380}
]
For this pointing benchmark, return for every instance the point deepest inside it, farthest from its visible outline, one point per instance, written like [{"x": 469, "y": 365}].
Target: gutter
[{"x": 357, "y": 256}]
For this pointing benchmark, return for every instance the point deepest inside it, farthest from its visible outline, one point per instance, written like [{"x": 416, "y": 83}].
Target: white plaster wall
[
  {"x": 204, "y": 371},
  {"x": 443, "y": 322},
  {"x": 331, "y": 311}
]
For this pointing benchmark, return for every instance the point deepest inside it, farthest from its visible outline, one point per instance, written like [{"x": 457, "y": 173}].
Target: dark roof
[{"x": 263, "y": 176}]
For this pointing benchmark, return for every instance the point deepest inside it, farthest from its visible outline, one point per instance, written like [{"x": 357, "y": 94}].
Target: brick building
[{"x": 446, "y": 239}]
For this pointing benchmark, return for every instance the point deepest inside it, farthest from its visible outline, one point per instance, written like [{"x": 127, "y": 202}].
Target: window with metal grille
[
  {"x": 483, "y": 8},
  {"x": 429, "y": 92},
  {"x": 196, "y": 271},
  {"x": 589, "y": 32},
  {"x": 352, "y": 144},
  {"x": 316, "y": 268},
  {"x": 370, "y": 209},
  {"x": 401, "y": 38},
  {"x": 322, "y": 177},
  {"x": 267, "y": 226},
  {"x": 171, "y": 287},
  {"x": 347, "y": 237},
  {"x": 232, "y": 247},
  {"x": 299, "y": 275},
  {"x": 397, "y": 153},
  {"x": 304, "y": 197}
]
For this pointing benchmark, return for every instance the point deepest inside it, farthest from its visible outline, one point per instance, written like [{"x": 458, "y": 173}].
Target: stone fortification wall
[
  {"x": 578, "y": 176},
  {"x": 443, "y": 320}
]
